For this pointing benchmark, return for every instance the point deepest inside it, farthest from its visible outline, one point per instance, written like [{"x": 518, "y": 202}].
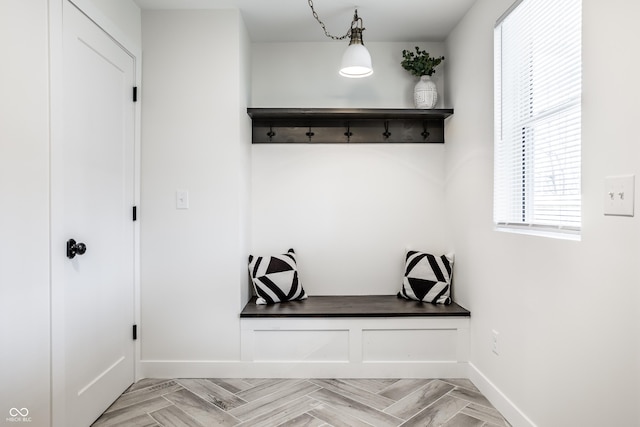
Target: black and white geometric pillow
[
  {"x": 275, "y": 278},
  {"x": 427, "y": 278}
]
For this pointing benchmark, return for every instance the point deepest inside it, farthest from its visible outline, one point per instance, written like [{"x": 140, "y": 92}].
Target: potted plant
[{"x": 423, "y": 65}]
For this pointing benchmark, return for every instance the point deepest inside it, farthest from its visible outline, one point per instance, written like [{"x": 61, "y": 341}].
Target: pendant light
[{"x": 356, "y": 60}]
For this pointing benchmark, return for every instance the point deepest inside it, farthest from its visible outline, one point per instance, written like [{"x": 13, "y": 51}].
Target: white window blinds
[{"x": 538, "y": 85}]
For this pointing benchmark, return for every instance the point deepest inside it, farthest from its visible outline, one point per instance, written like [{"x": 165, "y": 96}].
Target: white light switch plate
[
  {"x": 182, "y": 199},
  {"x": 619, "y": 192}
]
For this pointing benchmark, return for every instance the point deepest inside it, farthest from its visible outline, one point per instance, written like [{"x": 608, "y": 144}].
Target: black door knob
[{"x": 74, "y": 248}]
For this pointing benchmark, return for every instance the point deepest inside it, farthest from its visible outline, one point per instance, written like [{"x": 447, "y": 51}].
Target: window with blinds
[{"x": 538, "y": 86}]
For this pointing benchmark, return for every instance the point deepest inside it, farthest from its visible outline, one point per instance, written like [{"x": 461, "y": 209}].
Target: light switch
[
  {"x": 619, "y": 194},
  {"x": 182, "y": 199}
]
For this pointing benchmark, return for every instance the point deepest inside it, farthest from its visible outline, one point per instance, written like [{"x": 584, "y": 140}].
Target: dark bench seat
[{"x": 353, "y": 306}]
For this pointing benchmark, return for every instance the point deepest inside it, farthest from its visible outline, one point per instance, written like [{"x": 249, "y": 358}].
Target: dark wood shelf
[
  {"x": 346, "y": 113},
  {"x": 347, "y": 125}
]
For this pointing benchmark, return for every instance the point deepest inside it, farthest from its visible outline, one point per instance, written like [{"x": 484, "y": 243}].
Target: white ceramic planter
[{"x": 425, "y": 94}]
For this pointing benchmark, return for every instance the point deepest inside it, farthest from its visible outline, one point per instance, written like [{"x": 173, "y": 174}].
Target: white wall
[
  {"x": 24, "y": 229},
  {"x": 195, "y": 137},
  {"x": 566, "y": 311},
  {"x": 244, "y": 163},
  {"x": 349, "y": 211},
  {"x": 306, "y": 75}
]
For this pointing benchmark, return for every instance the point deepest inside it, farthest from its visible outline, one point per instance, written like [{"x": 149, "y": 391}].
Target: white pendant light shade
[{"x": 356, "y": 62}]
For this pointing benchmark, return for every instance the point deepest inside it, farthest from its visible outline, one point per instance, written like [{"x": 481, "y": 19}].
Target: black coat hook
[
  {"x": 271, "y": 133},
  {"x": 348, "y": 133},
  {"x": 425, "y": 133},
  {"x": 309, "y": 134},
  {"x": 386, "y": 132}
]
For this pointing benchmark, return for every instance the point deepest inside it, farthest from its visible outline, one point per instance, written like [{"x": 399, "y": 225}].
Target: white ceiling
[{"x": 292, "y": 21}]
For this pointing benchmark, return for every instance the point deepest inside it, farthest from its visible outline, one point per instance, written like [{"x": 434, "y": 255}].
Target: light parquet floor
[{"x": 302, "y": 402}]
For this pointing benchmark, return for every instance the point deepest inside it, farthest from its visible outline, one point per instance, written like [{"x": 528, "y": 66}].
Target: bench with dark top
[{"x": 353, "y": 306}]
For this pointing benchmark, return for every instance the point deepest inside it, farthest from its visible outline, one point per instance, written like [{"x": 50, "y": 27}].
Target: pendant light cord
[{"x": 326, "y": 33}]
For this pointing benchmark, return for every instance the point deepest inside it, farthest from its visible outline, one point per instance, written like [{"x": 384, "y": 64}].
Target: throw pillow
[
  {"x": 275, "y": 278},
  {"x": 427, "y": 277}
]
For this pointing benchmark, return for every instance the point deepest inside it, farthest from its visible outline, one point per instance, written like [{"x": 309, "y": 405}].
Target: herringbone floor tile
[{"x": 302, "y": 403}]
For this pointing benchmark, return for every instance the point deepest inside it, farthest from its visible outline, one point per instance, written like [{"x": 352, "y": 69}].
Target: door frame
[{"x": 56, "y": 101}]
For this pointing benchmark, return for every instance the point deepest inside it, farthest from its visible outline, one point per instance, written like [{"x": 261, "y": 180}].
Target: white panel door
[{"x": 92, "y": 192}]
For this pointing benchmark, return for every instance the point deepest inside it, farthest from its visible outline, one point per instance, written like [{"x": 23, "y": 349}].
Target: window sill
[{"x": 572, "y": 235}]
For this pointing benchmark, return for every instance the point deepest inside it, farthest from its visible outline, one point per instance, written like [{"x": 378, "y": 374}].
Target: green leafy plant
[{"x": 420, "y": 63}]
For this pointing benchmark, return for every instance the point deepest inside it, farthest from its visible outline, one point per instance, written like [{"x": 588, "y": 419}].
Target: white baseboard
[
  {"x": 239, "y": 369},
  {"x": 502, "y": 403}
]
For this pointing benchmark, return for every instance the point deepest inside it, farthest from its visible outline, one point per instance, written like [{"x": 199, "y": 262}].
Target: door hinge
[
  {"x": 135, "y": 94},
  {"x": 135, "y": 332},
  {"x": 135, "y": 213}
]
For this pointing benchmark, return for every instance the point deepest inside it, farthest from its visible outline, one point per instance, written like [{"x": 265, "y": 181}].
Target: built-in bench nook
[{"x": 357, "y": 336}]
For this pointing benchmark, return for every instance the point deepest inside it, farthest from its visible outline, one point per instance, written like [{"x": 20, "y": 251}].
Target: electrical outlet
[{"x": 494, "y": 341}]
